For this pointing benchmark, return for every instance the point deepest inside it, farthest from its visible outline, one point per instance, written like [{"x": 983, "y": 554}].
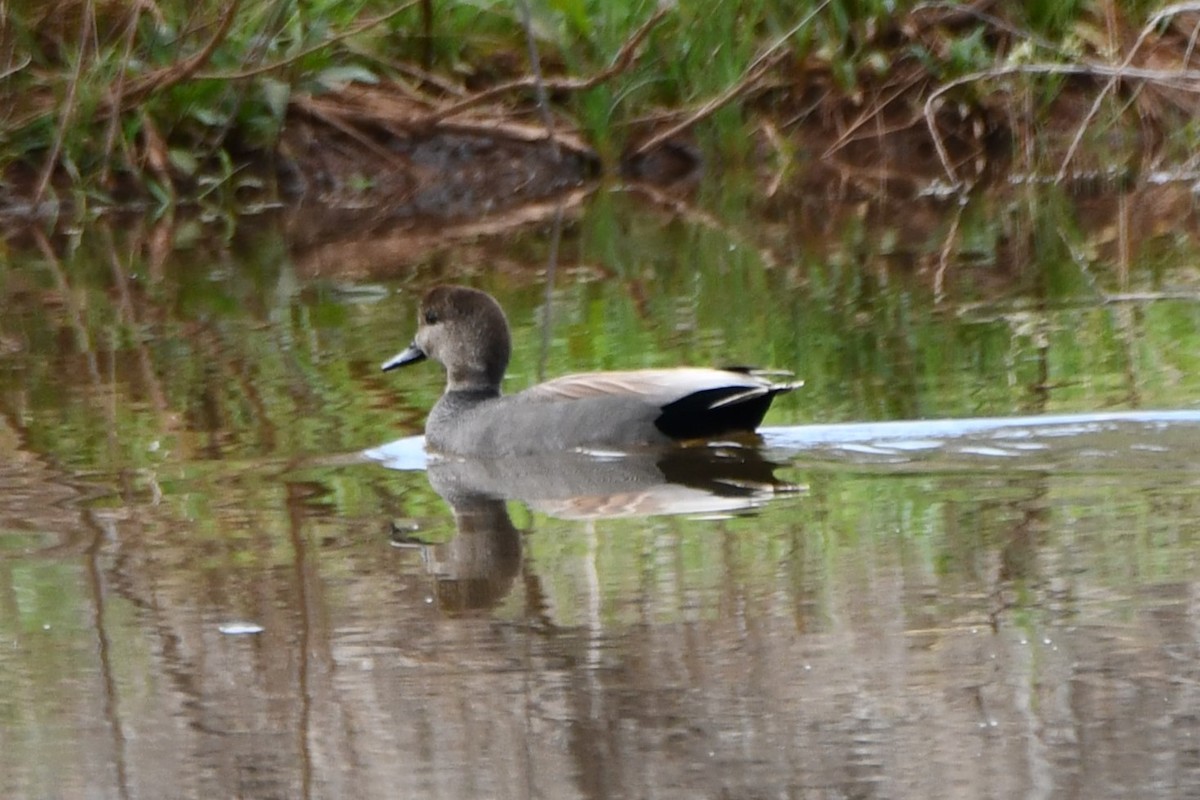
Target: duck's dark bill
[{"x": 411, "y": 355}]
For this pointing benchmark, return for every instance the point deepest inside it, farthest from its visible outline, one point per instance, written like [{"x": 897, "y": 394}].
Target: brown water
[{"x": 975, "y": 577}]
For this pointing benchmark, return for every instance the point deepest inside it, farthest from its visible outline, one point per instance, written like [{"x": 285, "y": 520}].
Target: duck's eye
[{"x": 431, "y": 317}]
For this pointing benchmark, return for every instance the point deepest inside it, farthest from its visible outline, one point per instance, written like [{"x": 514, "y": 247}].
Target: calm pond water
[{"x": 964, "y": 561}]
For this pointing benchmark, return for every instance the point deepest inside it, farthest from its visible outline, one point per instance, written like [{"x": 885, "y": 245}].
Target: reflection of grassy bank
[{"x": 165, "y": 99}]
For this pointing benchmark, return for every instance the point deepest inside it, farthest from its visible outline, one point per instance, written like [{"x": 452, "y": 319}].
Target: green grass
[{"x": 97, "y": 100}]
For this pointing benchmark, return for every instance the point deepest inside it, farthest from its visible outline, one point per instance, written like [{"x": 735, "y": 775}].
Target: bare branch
[
  {"x": 619, "y": 64},
  {"x": 286, "y": 62},
  {"x": 759, "y": 67},
  {"x": 86, "y": 21},
  {"x": 1095, "y": 109},
  {"x": 748, "y": 81},
  {"x": 15, "y": 69},
  {"x": 177, "y": 73},
  {"x": 1183, "y": 79}
]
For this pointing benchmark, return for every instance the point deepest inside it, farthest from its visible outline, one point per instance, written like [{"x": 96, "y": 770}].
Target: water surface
[{"x": 961, "y": 562}]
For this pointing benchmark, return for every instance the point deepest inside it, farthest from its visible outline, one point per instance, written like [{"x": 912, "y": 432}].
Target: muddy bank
[{"x": 368, "y": 162}]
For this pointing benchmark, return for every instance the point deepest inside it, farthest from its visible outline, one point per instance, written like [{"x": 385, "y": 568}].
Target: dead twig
[
  {"x": 155, "y": 153},
  {"x": 1183, "y": 79},
  {"x": 748, "y": 81},
  {"x": 424, "y": 76},
  {"x": 1191, "y": 45},
  {"x": 114, "y": 121},
  {"x": 175, "y": 74},
  {"x": 86, "y": 21},
  {"x": 17, "y": 68},
  {"x": 123, "y": 97},
  {"x": 619, "y": 64},
  {"x": 872, "y": 113},
  {"x": 950, "y": 8},
  {"x": 992, "y": 21},
  {"x": 277, "y": 65},
  {"x": 754, "y": 72},
  {"x": 1147, "y": 29},
  {"x": 782, "y": 153},
  {"x": 336, "y": 120}
]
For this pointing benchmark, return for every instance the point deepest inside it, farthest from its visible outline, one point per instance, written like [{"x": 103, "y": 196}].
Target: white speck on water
[{"x": 240, "y": 628}]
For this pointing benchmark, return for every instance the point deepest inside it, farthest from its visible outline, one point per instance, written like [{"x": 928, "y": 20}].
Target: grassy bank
[{"x": 167, "y": 100}]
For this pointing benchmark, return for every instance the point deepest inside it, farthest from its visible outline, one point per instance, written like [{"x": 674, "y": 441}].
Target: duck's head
[{"x": 466, "y": 331}]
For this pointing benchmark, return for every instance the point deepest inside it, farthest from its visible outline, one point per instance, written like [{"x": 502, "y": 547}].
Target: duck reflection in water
[
  {"x": 535, "y": 445},
  {"x": 477, "y": 568}
]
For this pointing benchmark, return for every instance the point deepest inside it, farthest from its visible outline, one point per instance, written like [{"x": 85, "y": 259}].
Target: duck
[{"x": 467, "y": 332}]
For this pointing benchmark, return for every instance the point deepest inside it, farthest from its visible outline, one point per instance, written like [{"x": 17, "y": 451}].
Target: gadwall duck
[{"x": 466, "y": 330}]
